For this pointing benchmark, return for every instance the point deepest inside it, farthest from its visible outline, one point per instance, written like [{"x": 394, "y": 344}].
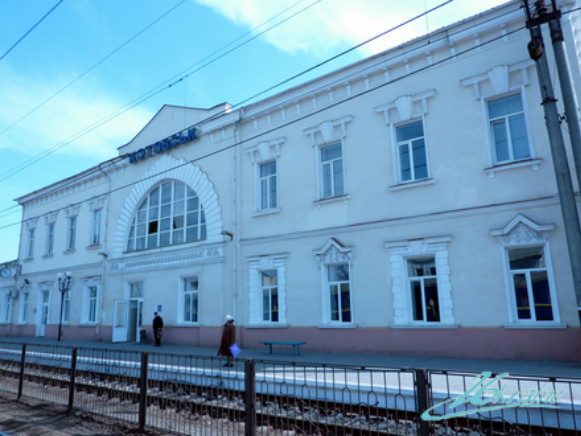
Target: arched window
[{"x": 171, "y": 214}]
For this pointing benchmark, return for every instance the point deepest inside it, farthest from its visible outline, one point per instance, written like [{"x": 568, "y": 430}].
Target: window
[
  {"x": 411, "y": 149},
  {"x": 339, "y": 292},
  {"x": 67, "y": 307},
  {"x": 332, "y": 170},
  {"x": 508, "y": 129},
  {"x": 24, "y": 298},
  {"x": 268, "y": 185},
  {"x": 269, "y": 284},
  {"x": 191, "y": 290},
  {"x": 6, "y": 307},
  {"x": 96, "y": 227},
  {"x": 424, "y": 289},
  {"x": 71, "y": 232},
  {"x": 30, "y": 245},
  {"x": 171, "y": 214},
  {"x": 92, "y": 304},
  {"x": 530, "y": 281},
  {"x": 136, "y": 290},
  {"x": 50, "y": 239}
]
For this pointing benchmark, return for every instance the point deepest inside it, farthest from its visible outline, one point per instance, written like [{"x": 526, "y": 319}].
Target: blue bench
[{"x": 295, "y": 344}]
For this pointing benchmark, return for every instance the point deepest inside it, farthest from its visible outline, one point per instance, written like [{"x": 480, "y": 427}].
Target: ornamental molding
[
  {"x": 329, "y": 131},
  {"x": 195, "y": 256},
  {"x": 522, "y": 231},
  {"x": 170, "y": 168},
  {"x": 406, "y": 107},
  {"x": 31, "y": 223},
  {"x": 497, "y": 80},
  {"x": 97, "y": 203},
  {"x": 333, "y": 252},
  {"x": 265, "y": 150},
  {"x": 267, "y": 262},
  {"x": 72, "y": 210},
  {"x": 50, "y": 218}
]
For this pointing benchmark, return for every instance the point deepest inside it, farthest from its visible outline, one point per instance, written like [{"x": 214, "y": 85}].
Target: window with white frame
[
  {"x": 190, "y": 298},
  {"x": 71, "y": 232},
  {"x": 136, "y": 290},
  {"x": 423, "y": 281},
  {"x": 530, "y": 281},
  {"x": 267, "y": 289},
  {"x": 268, "y": 191},
  {"x": 411, "y": 149},
  {"x": 170, "y": 214},
  {"x": 332, "y": 177},
  {"x": 24, "y": 301},
  {"x": 529, "y": 276},
  {"x": 30, "y": 243},
  {"x": 96, "y": 227},
  {"x": 339, "y": 292},
  {"x": 90, "y": 309},
  {"x": 66, "y": 307},
  {"x": 6, "y": 306},
  {"x": 508, "y": 129},
  {"x": 50, "y": 238},
  {"x": 269, "y": 284},
  {"x": 335, "y": 263},
  {"x": 420, "y": 282}
]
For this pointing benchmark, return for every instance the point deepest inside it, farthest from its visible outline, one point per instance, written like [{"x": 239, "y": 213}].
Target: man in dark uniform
[{"x": 157, "y": 328}]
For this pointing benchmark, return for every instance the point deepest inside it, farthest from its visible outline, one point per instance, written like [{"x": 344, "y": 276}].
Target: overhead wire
[
  {"x": 321, "y": 110},
  {"x": 156, "y": 90},
  {"x": 30, "y": 30}
]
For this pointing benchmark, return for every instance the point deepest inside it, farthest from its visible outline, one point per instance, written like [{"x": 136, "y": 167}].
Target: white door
[
  {"x": 42, "y": 312},
  {"x": 120, "y": 321}
]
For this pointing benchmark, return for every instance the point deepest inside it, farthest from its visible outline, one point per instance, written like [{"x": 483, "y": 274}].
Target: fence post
[
  {"x": 143, "y": 391},
  {"x": 250, "y": 397},
  {"x": 423, "y": 397},
  {"x": 21, "y": 378},
  {"x": 72, "y": 379}
]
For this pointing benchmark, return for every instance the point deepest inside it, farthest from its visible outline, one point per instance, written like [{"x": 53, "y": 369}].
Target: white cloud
[
  {"x": 331, "y": 24},
  {"x": 64, "y": 117}
]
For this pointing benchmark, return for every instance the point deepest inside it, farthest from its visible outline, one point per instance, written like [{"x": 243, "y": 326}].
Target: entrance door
[
  {"x": 42, "y": 312},
  {"x": 135, "y": 319},
  {"x": 120, "y": 326}
]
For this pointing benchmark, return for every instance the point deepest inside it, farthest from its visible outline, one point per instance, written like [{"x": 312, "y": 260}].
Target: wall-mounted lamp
[
  {"x": 227, "y": 233},
  {"x": 102, "y": 253}
]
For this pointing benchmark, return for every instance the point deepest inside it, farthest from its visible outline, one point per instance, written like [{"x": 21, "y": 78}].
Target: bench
[{"x": 294, "y": 344}]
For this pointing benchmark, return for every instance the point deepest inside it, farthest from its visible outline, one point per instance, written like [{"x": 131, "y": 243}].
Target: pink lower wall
[{"x": 472, "y": 343}]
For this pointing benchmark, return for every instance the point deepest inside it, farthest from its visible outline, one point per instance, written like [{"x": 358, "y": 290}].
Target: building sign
[{"x": 164, "y": 145}]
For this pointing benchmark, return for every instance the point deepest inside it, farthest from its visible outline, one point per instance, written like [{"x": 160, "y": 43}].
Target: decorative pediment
[
  {"x": 406, "y": 107},
  {"x": 265, "y": 150},
  {"x": 500, "y": 79},
  {"x": 333, "y": 252},
  {"x": 50, "y": 218},
  {"x": 522, "y": 230},
  {"x": 72, "y": 210},
  {"x": 31, "y": 223},
  {"x": 97, "y": 203},
  {"x": 329, "y": 131}
]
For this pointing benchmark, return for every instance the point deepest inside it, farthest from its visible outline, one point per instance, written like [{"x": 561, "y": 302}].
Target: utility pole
[{"x": 537, "y": 14}]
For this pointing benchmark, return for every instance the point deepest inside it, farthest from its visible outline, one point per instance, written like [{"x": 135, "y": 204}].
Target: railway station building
[{"x": 404, "y": 204}]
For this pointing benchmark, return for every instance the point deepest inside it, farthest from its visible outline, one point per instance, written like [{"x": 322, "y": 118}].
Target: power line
[
  {"x": 30, "y": 30},
  {"x": 156, "y": 90},
  {"x": 330, "y": 106}
]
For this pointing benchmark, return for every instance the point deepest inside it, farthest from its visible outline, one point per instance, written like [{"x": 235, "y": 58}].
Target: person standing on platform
[
  {"x": 157, "y": 328},
  {"x": 228, "y": 339}
]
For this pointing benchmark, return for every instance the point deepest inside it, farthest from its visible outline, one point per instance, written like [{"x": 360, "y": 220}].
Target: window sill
[
  {"x": 347, "y": 325},
  {"x": 537, "y": 325},
  {"x": 433, "y": 325},
  {"x": 533, "y": 163},
  {"x": 265, "y": 212},
  {"x": 267, "y": 326},
  {"x": 344, "y": 197},
  {"x": 189, "y": 324},
  {"x": 412, "y": 184},
  {"x": 69, "y": 251},
  {"x": 87, "y": 324},
  {"x": 28, "y": 259},
  {"x": 47, "y": 256},
  {"x": 93, "y": 246}
]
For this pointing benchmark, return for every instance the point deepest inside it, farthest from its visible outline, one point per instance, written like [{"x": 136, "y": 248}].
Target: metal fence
[{"x": 197, "y": 395}]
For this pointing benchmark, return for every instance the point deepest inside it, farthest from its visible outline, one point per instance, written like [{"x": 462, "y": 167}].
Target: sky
[{"x": 80, "y": 78}]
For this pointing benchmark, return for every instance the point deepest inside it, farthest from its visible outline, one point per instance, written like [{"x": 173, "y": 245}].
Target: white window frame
[
  {"x": 71, "y": 232},
  {"x": 30, "y": 243},
  {"x": 334, "y": 253},
  {"x": 50, "y": 231},
  {"x": 422, "y": 280},
  {"x": 522, "y": 232},
  {"x": 90, "y": 305},
  {"x": 257, "y": 265},
  {"x": 266, "y": 186},
  {"x": 330, "y": 164},
  {"x": 490, "y": 122},
  {"x": 182, "y": 299},
  {"x": 6, "y": 305},
  {"x": 66, "y": 319},
  {"x": 96, "y": 227},
  {"x": 409, "y": 144},
  {"x": 269, "y": 290},
  {"x": 399, "y": 253},
  {"x": 23, "y": 306},
  {"x": 330, "y": 285}
]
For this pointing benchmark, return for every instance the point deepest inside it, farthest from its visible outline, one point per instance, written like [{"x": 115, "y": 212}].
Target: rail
[{"x": 188, "y": 394}]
